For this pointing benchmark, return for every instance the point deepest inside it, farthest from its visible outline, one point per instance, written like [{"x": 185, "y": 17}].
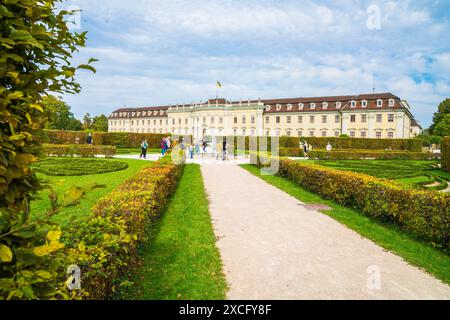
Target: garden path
[{"x": 275, "y": 248}]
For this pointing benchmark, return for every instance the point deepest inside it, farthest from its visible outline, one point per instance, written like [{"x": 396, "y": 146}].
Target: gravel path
[{"x": 274, "y": 248}]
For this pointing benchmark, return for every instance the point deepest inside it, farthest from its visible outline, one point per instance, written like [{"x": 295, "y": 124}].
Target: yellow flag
[{"x": 219, "y": 85}]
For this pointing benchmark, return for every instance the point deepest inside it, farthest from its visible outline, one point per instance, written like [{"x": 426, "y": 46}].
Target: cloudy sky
[{"x": 172, "y": 51}]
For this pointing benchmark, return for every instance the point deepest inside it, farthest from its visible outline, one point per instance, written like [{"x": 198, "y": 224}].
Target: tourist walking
[
  {"x": 163, "y": 146},
  {"x": 224, "y": 149},
  {"x": 204, "y": 145},
  {"x": 329, "y": 147},
  {"x": 144, "y": 147},
  {"x": 197, "y": 146},
  {"x": 168, "y": 143}
]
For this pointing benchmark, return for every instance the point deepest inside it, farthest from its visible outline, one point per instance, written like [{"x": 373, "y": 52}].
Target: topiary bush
[{"x": 84, "y": 151}]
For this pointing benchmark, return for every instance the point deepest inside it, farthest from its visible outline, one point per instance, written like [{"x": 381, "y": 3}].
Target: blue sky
[{"x": 171, "y": 51}]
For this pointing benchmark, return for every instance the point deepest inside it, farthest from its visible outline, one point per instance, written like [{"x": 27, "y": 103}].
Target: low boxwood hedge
[
  {"x": 423, "y": 213},
  {"x": 371, "y": 154},
  {"x": 291, "y": 152},
  {"x": 84, "y": 151},
  {"x": 77, "y": 166},
  {"x": 105, "y": 247}
]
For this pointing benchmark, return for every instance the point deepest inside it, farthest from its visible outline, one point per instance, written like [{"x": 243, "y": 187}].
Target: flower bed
[
  {"x": 371, "y": 154},
  {"x": 84, "y": 151},
  {"x": 105, "y": 246},
  {"x": 423, "y": 213}
]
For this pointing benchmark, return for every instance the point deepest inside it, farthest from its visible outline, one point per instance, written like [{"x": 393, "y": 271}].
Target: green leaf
[
  {"x": 5, "y": 253},
  {"x": 87, "y": 67},
  {"x": 25, "y": 36},
  {"x": 5, "y": 12}
]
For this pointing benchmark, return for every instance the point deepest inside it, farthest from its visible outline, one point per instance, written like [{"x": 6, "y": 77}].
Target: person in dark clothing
[
  {"x": 204, "y": 144},
  {"x": 224, "y": 149},
  {"x": 90, "y": 140},
  {"x": 144, "y": 147}
]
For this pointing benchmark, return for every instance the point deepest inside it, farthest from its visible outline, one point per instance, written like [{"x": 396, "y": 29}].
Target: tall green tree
[
  {"x": 442, "y": 129},
  {"x": 87, "y": 121},
  {"x": 36, "y": 49},
  {"x": 59, "y": 116},
  {"x": 443, "y": 110},
  {"x": 100, "y": 123}
]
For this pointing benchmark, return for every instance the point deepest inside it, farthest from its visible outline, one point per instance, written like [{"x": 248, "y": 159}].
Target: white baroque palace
[{"x": 362, "y": 116}]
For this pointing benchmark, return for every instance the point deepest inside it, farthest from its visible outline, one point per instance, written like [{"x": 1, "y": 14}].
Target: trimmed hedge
[
  {"x": 77, "y": 166},
  {"x": 106, "y": 246},
  {"x": 291, "y": 152},
  {"x": 412, "y": 145},
  {"x": 423, "y": 213},
  {"x": 84, "y": 151},
  {"x": 371, "y": 154},
  {"x": 445, "y": 149},
  {"x": 117, "y": 139}
]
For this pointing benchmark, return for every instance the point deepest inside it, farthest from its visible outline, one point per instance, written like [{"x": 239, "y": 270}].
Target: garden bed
[{"x": 77, "y": 166}]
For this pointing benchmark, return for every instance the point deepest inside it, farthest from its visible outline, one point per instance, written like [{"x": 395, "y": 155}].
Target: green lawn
[
  {"x": 389, "y": 237},
  {"x": 82, "y": 210},
  {"x": 407, "y": 172},
  {"x": 181, "y": 260}
]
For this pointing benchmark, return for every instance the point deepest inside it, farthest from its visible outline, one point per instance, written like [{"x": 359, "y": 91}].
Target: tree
[
  {"x": 87, "y": 121},
  {"x": 442, "y": 129},
  {"x": 100, "y": 123},
  {"x": 59, "y": 116},
  {"x": 36, "y": 49},
  {"x": 443, "y": 109}
]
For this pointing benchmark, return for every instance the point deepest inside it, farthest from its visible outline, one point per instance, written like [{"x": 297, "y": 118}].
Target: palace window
[
  {"x": 353, "y": 118},
  {"x": 379, "y": 118},
  {"x": 313, "y": 106},
  {"x": 391, "y": 135},
  {"x": 324, "y": 119},
  {"x": 312, "y": 119},
  {"x": 363, "y": 118},
  {"x": 267, "y": 108},
  {"x": 311, "y": 134},
  {"x": 288, "y": 133},
  {"x": 337, "y": 134},
  {"x": 300, "y": 119},
  {"x": 267, "y": 132},
  {"x": 267, "y": 120},
  {"x": 338, "y": 105},
  {"x": 379, "y": 103},
  {"x": 288, "y": 119},
  {"x": 244, "y": 120},
  {"x": 154, "y": 122},
  {"x": 160, "y": 122},
  {"x": 324, "y": 133},
  {"x": 364, "y": 104},
  {"x": 391, "y": 118},
  {"x": 300, "y": 133},
  {"x": 220, "y": 120},
  {"x": 378, "y": 135},
  {"x": 278, "y": 120},
  {"x": 253, "y": 119},
  {"x": 300, "y": 106},
  {"x": 337, "y": 119},
  {"x": 353, "y": 104},
  {"x": 212, "y": 120},
  {"x": 235, "y": 120},
  {"x": 325, "y": 105},
  {"x": 179, "y": 121},
  {"x": 148, "y": 122},
  {"x": 278, "y": 107},
  {"x": 277, "y": 132},
  {"x": 173, "y": 121},
  {"x": 289, "y": 107},
  {"x": 243, "y": 132},
  {"x": 252, "y": 132},
  {"x": 363, "y": 134},
  {"x": 391, "y": 103},
  {"x": 352, "y": 134}
]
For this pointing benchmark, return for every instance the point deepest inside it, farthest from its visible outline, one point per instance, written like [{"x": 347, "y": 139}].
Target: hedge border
[
  {"x": 425, "y": 214},
  {"x": 371, "y": 154},
  {"x": 106, "y": 246},
  {"x": 84, "y": 151},
  {"x": 445, "y": 149}
]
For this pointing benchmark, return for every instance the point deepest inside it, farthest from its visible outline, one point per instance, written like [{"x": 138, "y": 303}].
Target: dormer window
[
  {"x": 133, "y": 114},
  {"x": 379, "y": 103},
  {"x": 267, "y": 108},
  {"x": 289, "y": 107},
  {"x": 301, "y": 106},
  {"x": 353, "y": 104},
  {"x": 161, "y": 112},
  {"x": 325, "y": 105},
  {"x": 278, "y": 107},
  {"x": 391, "y": 103},
  {"x": 364, "y": 104},
  {"x": 313, "y": 106},
  {"x": 338, "y": 105}
]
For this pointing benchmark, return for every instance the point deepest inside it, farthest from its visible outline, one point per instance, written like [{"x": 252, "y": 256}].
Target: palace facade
[{"x": 362, "y": 116}]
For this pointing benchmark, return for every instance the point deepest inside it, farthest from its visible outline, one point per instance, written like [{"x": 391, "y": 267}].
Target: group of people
[
  {"x": 166, "y": 144},
  {"x": 306, "y": 147}
]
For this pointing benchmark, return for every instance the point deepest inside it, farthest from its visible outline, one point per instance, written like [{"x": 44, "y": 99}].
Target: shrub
[
  {"x": 105, "y": 246},
  {"x": 291, "y": 152},
  {"x": 371, "y": 154},
  {"x": 445, "y": 148},
  {"x": 84, "y": 151},
  {"x": 423, "y": 213},
  {"x": 77, "y": 167}
]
